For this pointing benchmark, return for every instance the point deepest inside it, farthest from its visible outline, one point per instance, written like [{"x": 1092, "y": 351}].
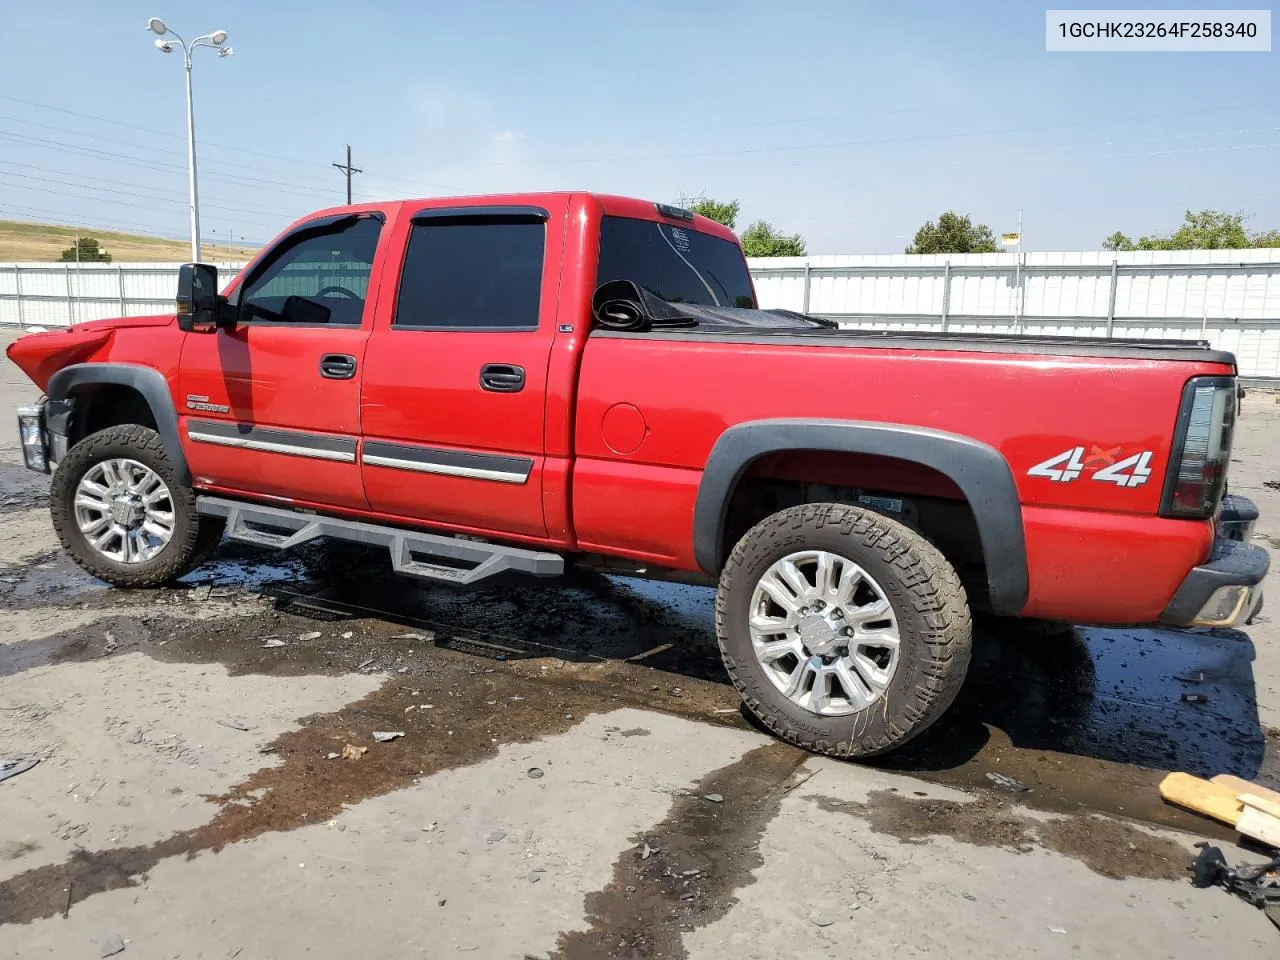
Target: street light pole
[
  {"x": 217, "y": 41},
  {"x": 193, "y": 191}
]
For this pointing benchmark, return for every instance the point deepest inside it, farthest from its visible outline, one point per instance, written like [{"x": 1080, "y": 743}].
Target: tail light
[{"x": 1201, "y": 448}]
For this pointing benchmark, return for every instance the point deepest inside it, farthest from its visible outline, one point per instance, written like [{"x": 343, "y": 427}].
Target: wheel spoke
[
  {"x": 825, "y": 575},
  {"x": 769, "y": 652},
  {"x": 126, "y": 547},
  {"x": 869, "y": 613},
  {"x": 772, "y": 584},
  {"x": 850, "y": 577},
  {"x": 162, "y": 517},
  {"x": 94, "y": 489},
  {"x": 877, "y": 638},
  {"x": 819, "y": 696},
  {"x": 148, "y": 485},
  {"x": 875, "y": 677},
  {"x": 99, "y": 542},
  {"x": 111, "y": 475},
  {"x": 855, "y": 689},
  {"x": 790, "y": 574},
  {"x": 771, "y": 625},
  {"x": 796, "y": 678},
  {"x": 158, "y": 494},
  {"x": 160, "y": 533},
  {"x": 93, "y": 527}
]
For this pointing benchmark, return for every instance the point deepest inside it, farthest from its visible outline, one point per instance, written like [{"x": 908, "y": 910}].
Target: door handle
[
  {"x": 502, "y": 378},
  {"x": 338, "y": 366}
]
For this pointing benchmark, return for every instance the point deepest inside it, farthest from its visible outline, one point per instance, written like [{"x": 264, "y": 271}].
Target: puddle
[
  {"x": 475, "y": 708},
  {"x": 699, "y": 855},
  {"x": 22, "y": 489},
  {"x": 1108, "y": 847},
  {"x": 1088, "y": 720}
]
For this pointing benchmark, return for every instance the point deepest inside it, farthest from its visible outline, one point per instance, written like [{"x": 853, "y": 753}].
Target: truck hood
[{"x": 41, "y": 355}]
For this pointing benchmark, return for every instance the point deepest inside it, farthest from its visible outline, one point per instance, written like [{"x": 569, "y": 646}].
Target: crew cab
[{"x": 517, "y": 383}]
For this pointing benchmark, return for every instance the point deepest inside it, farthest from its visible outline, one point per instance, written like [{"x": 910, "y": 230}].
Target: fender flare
[
  {"x": 980, "y": 471},
  {"x": 150, "y": 383}
]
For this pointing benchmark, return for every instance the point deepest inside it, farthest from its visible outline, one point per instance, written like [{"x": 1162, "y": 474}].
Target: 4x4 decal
[{"x": 1132, "y": 471}]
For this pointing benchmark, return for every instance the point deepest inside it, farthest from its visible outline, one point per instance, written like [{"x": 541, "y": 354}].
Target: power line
[
  {"x": 348, "y": 170},
  {"x": 133, "y": 204},
  {"x": 151, "y": 197}
]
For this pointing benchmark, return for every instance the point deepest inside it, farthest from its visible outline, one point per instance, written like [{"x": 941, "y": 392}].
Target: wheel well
[
  {"x": 920, "y": 496},
  {"x": 99, "y": 406}
]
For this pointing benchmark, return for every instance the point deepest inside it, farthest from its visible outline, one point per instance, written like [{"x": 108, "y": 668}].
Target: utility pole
[{"x": 348, "y": 170}]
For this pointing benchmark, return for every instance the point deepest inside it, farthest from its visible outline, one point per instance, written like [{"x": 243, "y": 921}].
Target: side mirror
[{"x": 198, "y": 298}]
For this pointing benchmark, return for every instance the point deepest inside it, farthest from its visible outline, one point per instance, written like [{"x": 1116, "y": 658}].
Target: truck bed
[{"x": 1198, "y": 351}]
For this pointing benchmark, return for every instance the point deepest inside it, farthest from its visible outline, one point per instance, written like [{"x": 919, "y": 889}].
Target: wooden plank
[
  {"x": 1260, "y": 826},
  {"x": 1202, "y": 796},
  {"x": 1269, "y": 807},
  {"x": 1240, "y": 785}
]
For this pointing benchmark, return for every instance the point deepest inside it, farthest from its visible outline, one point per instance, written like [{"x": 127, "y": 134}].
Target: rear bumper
[{"x": 1226, "y": 590}]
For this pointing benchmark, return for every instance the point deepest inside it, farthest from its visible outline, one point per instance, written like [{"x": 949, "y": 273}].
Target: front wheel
[
  {"x": 122, "y": 513},
  {"x": 846, "y": 632}
]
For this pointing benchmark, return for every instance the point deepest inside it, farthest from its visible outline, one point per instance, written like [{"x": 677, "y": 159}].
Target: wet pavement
[{"x": 553, "y": 733}]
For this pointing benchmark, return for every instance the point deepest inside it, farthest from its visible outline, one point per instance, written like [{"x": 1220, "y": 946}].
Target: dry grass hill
[{"x": 23, "y": 241}]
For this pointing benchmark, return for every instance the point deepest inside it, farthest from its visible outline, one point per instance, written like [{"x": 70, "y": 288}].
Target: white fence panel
[{"x": 1229, "y": 297}]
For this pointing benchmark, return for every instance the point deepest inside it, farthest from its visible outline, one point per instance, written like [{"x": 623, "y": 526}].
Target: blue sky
[{"x": 850, "y": 123}]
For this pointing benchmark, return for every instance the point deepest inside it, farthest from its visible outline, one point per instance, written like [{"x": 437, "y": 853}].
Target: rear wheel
[
  {"x": 122, "y": 513},
  {"x": 846, "y": 632}
]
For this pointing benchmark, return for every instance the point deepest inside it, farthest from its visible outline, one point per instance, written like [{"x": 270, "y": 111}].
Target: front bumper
[
  {"x": 1226, "y": 590},
  {"x": 42, "y": 432}
]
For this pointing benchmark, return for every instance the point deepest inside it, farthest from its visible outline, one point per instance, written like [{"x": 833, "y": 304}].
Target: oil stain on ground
[
  {"x": 1108, "y": 847},
  {"x": 683, "y": 873}
]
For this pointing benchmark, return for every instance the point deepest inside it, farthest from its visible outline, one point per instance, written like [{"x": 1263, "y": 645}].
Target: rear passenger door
[{"x": 454, "y": 385}]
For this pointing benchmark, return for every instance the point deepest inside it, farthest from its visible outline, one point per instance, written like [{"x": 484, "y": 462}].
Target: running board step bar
[{"x": 427, "y": 555}]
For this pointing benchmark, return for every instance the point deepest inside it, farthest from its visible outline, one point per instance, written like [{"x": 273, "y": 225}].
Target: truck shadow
[{"x": 1163, "y": 699}]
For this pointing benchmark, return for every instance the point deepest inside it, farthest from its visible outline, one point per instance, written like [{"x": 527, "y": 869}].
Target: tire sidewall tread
[
  {"x": 928, "y": 602},
  {"x": 190, "y": 538}
]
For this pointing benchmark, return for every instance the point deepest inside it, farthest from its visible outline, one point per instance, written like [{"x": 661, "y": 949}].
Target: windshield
[{"x": 676, "y": 264}]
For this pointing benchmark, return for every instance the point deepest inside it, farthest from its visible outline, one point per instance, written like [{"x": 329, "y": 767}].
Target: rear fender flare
[
  {"x": 980, "y": 471},
  {"x": 148, "y": 382}
]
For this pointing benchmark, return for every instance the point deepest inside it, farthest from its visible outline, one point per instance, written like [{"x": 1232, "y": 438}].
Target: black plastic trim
[
  {"x": 289, "y": 438},
  {"x": 1179, "y": 441},
  {"x": 150, "y": 383},
  {"x": 448, "y": 458},
  {"x": 1231, "y": 564},
  {"x": 980, "y": 471},
  {"x": 479, "y": 212},
  {"x": 968, "y": 342}
]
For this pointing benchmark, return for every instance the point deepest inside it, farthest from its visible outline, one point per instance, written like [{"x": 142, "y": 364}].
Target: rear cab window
[
  {"x": 472, "y": 272},
  {"x": 674, "y": 262}
]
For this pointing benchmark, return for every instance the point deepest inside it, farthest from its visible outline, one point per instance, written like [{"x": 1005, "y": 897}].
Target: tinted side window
[
  {"x": 472, "y": 273},
  {"x": 677, "y": 264},
  {"x": 318, "y": 278}
]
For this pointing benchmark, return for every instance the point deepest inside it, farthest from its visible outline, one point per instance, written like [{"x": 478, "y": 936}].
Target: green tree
[
  {"x": 1200, "y": 230},
  {"x": 953, "y": 233},
  {"x": 88, "y": 252},
  {"x": 762, "y": 239},
  {"x": 725, "y": 212}
]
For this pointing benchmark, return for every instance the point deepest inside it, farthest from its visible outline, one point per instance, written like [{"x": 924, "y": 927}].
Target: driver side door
[{"x": 271, "y": 406}]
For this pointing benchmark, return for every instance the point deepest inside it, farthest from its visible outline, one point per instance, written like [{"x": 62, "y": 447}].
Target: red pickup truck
[{"x": 508, "y": 383}]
